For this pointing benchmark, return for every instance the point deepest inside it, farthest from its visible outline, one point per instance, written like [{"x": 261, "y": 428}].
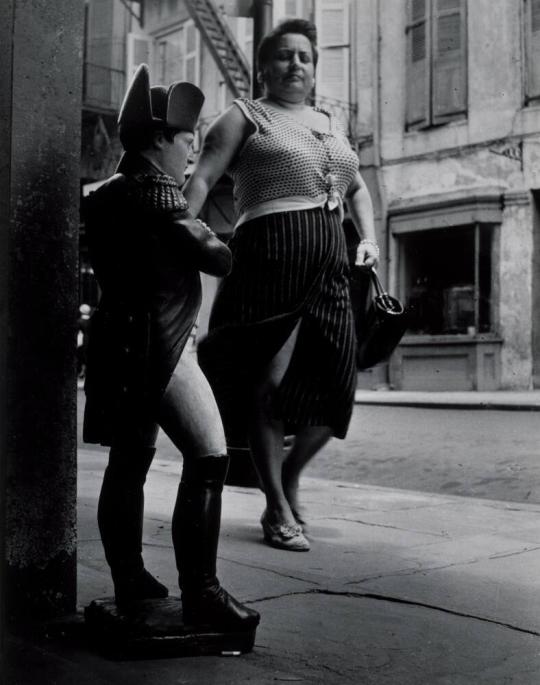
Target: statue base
[{"x": 153, "y": 629}]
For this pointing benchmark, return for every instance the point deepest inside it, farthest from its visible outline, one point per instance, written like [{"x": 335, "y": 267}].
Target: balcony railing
[{"x": 103, "y": 87}]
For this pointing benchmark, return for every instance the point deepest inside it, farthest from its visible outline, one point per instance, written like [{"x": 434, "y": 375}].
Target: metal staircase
[{"x": 222, "y": 44}]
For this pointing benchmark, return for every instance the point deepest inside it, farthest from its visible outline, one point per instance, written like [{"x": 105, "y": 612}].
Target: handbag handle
[
  {"x": 386, "y": 299},
  {"x": 377, "y": 283}
]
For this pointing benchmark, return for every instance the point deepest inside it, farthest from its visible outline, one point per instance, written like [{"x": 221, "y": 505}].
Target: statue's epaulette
[{"x": 160, "y": 192}]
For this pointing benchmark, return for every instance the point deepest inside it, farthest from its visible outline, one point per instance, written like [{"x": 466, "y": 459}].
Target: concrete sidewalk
[
  {"x": 400, "y": 588},
  {"x": 500, "y": 399}
]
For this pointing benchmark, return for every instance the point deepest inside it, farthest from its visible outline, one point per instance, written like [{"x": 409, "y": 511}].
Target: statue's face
[{"x": 175, "y": 155}]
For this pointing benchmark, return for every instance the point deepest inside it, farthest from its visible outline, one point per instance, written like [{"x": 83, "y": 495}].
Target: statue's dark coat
[{"x": 146, "y": 252}]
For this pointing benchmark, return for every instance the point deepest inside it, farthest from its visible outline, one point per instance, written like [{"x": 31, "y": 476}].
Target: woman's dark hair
[{"x": 268, "y": 43}]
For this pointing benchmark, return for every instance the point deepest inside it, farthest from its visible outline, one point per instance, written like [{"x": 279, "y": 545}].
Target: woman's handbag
[{"x": 380, "y": 326}]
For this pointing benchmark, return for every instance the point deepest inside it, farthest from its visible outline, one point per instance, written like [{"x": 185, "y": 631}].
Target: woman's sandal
[
  {"x": 284, "y": 536},
  {"x": 299, "y": 514}
]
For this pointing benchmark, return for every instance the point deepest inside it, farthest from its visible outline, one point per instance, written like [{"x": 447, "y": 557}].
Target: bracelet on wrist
[{"x": 366, "y": 241}]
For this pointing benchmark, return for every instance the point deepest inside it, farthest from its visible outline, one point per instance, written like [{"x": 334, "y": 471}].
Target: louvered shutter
[
  {"x": 533, "y": 48},
  {"x": 332, "y": 78},
  {"x": 139, "y": 51},
  {"x": 287, "y": 8},
  {"x": 449, "y": 60},
  {"x": 192, "y": 53},
  {"x": 418, "y": 63}
]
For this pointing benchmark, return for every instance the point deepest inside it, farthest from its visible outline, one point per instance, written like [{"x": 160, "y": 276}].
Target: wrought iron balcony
[{"x": 103, "y": 87}]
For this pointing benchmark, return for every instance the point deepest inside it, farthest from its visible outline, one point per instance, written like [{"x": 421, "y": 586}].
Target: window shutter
[
  {"x": 191, "y": 53},
  {"x": 291, "y": 8},
  {"x": 533, "y": 49},
  {"x": 139, "y": 51},
  {"x": 288, "y": 8},
  {"x": 418, "y": 63},
  {"x": 449, "y": 59},
  {"x": 332, "y": 78}
]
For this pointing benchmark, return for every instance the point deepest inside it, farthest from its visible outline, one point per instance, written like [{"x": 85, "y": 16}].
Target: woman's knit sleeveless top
[{"x": 285, "y": 160}]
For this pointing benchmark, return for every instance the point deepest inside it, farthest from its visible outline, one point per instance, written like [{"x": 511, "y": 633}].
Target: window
[
  {"x": 436, "y": 62},
  {"x": 446, "y": 277},
  {"x": 532, "y": 48},
  {"x": 292, "y": 8},
  {"x": 333, "y": 26},
  {"x": 139, "y": 50},
  {"x": 177, "y": 57}
]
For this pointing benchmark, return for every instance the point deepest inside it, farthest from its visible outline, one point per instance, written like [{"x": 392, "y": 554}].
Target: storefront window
[{"x": 446, "y": 278}]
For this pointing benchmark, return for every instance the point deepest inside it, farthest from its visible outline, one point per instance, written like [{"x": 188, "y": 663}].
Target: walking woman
[
  {"x": 280, "y": 354},
  {"x": 147, "y": 252}
]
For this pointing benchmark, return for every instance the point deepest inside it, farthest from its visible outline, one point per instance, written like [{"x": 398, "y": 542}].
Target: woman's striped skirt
[{"x": 287, "y": 268}]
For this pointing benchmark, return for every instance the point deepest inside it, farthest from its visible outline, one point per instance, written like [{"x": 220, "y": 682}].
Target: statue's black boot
[
  {"x": 120, "y": 520},
  {"x": 195, "y": 528}
]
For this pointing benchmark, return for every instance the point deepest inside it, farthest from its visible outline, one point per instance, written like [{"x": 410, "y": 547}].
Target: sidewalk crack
[
  {"x": 503, "y": 555},
  {"x": 426, "y": 569},
  {"x": 268, "y": 570},
  {"x": 399, "y": 600},
  {"x": 385, "y": 525}
]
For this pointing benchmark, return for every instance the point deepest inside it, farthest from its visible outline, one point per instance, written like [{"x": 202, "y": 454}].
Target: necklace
[
  {"x": 328, "y": 176},
  {"x": 324, "y": 138},
  {"x": 304, "y": 121}
]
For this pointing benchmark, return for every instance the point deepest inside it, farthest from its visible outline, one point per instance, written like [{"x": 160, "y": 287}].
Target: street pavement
[
  {"x": 400, "y": 588},
  {"x": 487, "y": 453},
  {"x": 483, "y": 445}
]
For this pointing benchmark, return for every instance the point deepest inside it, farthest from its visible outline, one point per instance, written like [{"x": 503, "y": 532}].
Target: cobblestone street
[{"x": 483, "y": 453}]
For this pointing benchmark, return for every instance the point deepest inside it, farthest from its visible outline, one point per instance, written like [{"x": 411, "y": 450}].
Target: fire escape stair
[{"x": 222, "y": 45}]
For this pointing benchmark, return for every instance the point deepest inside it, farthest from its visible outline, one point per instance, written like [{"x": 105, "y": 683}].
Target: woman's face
[{"x": 290, "y": 72}]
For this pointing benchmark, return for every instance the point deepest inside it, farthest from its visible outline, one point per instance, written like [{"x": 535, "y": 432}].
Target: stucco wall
[
  {"x": 515, "y": 283},
  {"x": 495, "y": 81},
  {"x": 468, "y": 154}
]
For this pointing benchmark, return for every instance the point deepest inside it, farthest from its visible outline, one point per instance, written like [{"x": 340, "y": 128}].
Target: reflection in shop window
[{"x": 446, "y": 278}]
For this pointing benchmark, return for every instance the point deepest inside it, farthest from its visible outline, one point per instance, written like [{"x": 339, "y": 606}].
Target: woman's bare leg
[
  {"x": 308, "y": 442},
  {"x": 267, "y": 433}
]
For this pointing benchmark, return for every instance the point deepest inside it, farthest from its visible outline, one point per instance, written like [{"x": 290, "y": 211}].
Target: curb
[{"x": 446, "y": 401}]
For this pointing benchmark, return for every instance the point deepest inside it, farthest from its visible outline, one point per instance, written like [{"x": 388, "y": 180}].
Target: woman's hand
[{"x": 367, "y": 254}]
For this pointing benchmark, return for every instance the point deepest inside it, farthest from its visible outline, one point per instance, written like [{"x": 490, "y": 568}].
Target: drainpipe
[
  {"x": 262, "y": 23},
  {"x": 386, "y": 266}
]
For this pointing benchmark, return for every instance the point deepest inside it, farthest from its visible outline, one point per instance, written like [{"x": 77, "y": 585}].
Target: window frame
[
  {"x": 479, "y": 209},
  {"x": 162, "y": 40},
  {"x": 421, "y": 75},
  {"x": 530, "y": 100},
  {"x": 483, "y": 322}
]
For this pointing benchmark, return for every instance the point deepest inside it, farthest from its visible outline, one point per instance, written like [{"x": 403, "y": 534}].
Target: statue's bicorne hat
[{"x": 176, "y": 107}]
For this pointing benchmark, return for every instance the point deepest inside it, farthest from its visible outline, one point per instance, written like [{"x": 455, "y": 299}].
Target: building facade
[
  {"x": 441, "y": 99},
  {"x": 454, "y": 138}
]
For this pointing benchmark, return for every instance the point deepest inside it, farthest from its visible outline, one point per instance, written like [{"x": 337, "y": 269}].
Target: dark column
[
  {"x": 40, "y": 113},
  {"x": 262, "y": 23}
]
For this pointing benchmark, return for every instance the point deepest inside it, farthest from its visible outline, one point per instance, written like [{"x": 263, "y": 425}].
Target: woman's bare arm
[
  {"x": 361, "y": 210},
  {"x": 223, "y": 140}
]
